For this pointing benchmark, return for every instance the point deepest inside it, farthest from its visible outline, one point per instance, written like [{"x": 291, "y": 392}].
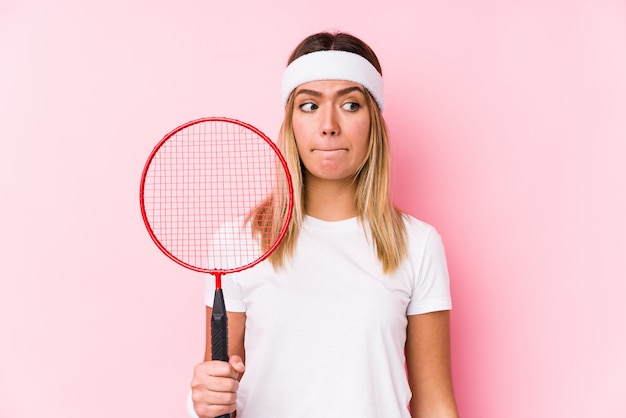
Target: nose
[{"x": 329, "y": 123}]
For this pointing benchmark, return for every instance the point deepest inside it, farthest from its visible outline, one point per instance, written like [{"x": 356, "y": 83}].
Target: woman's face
[{"x": 331, "y": 124}]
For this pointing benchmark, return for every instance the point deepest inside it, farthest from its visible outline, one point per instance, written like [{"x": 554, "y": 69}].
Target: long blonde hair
[{"x": 375, "y": 208}]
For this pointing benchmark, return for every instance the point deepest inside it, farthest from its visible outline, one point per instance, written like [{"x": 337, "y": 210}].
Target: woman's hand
[{"x": 214, "y": 387}]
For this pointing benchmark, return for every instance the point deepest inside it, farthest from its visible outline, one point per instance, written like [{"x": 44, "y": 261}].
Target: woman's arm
[{"x": 428, "y": 364}]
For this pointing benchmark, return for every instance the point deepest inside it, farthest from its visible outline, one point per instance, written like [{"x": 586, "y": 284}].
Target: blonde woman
[{"x": 350, "y": 316}]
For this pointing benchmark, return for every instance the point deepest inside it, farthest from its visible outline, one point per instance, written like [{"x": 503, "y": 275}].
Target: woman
[{"x": 356, "y": 290}]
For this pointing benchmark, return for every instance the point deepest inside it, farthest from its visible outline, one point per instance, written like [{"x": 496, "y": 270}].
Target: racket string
[{"x": 202, "y": 190}]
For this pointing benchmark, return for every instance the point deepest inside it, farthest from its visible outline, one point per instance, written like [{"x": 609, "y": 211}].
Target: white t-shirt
[{"x": 325, "y": 335}]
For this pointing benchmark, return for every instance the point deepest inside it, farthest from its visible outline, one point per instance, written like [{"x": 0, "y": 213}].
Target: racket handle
[
  {"x": 219, "y": 328},
  {"x": 219, "y": 331}
]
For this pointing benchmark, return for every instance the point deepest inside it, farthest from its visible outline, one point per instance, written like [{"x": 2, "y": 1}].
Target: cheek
[
  {"x": 301, "y": 134},
  {"x": 364, "y": 136}
]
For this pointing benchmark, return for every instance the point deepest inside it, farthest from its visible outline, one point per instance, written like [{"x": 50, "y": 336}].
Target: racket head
[{"x": 216, "y": 195}]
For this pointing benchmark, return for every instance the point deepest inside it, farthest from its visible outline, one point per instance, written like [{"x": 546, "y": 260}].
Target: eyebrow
[{"x": 339, "y": 93}]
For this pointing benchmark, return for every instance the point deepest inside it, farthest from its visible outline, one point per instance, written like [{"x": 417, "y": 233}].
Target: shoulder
[
  {"x": 418, "y": 231},
  {"x": 424, "y": 243}
]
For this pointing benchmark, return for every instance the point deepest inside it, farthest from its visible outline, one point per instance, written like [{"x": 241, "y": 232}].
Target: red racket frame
[{"x": 216, "y": 272}]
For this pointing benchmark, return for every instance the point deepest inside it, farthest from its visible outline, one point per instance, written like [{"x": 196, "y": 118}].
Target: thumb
[{"x": 237, "y": 363}]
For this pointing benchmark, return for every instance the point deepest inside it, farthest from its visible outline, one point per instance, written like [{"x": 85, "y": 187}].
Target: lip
[{"x": 329, "y": 149}]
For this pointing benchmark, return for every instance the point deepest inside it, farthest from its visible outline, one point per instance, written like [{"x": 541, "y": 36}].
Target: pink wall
[{"x": 509, "y": 128}]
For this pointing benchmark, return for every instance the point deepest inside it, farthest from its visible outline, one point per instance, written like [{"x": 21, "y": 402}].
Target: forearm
[{"x": 429, "y": 366}]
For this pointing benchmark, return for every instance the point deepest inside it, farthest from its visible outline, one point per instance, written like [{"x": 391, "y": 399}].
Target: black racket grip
[
  {"x": 219, "y": 328},
  {"x": 219, "y": 331}
]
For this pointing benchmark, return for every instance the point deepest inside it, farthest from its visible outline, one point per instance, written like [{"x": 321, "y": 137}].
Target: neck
[{"x": 330, "y": 200}]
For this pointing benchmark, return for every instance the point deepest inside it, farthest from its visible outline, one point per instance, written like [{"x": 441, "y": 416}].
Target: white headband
[{"x": 333, "y": 65}]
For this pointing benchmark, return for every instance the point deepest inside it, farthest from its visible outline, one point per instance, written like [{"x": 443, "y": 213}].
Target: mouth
[{"x": 329, "y": 149}]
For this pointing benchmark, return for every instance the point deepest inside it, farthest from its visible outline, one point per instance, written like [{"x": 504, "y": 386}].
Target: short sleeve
[{"x": 431, "y": 286}]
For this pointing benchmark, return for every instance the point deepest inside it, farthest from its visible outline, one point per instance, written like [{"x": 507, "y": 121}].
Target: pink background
[{"x": 509, "y": 135}]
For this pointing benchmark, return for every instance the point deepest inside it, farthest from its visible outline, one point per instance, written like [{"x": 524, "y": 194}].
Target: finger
[
  {"x": 213, "y": 397},
  {"x": 237, "y": 364},
  {"x": 212, "y": 404},
  {"x": 207, "y": 382},
  {"x": 216, "y": 368}
]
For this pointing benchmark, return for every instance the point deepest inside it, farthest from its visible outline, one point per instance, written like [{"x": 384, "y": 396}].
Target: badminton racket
[{"x": 216, "y": 197}]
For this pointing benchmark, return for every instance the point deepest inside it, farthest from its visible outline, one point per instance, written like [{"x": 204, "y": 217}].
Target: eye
[
  {"x": 308, "y": 107},
  {"x": 351, "y": 106}
]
